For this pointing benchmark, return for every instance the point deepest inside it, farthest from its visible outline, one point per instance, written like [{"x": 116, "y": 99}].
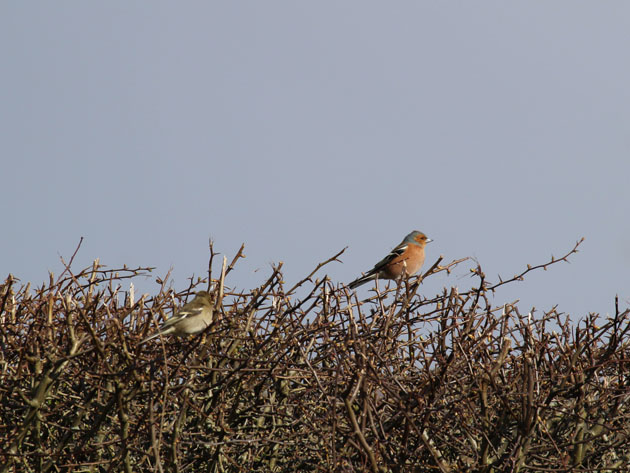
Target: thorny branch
[{"x": 322, "y": 382}]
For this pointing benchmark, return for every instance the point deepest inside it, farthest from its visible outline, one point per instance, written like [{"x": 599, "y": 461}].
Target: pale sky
[{"x": 500, "y": 129}]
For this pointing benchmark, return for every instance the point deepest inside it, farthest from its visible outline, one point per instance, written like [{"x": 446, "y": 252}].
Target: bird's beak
[{"x": 429, "y": 240}]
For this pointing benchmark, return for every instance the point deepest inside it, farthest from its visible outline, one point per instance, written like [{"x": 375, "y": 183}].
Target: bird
[
  {"x": 192, "y": 318},
  {"x": 406, "y": 258}
]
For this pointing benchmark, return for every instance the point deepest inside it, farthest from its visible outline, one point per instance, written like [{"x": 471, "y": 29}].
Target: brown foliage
[{"x": 322, "y": 381}]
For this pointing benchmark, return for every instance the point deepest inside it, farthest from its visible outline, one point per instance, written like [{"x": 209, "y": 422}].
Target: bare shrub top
[{"x": 321, "y": 382}]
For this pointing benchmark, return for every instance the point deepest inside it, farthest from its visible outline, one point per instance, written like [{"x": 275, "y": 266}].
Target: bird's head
[
  {"x": 418, "y": 237},
  {"x": 204, "y": 296}
]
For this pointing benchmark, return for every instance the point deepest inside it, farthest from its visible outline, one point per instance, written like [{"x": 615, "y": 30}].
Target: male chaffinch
[
  {"x": 192, "y": 318},
  {"x": 407, "y": 258}
]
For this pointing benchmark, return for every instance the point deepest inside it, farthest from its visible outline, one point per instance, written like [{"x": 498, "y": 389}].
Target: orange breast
[{"x": 409, "y": 262}]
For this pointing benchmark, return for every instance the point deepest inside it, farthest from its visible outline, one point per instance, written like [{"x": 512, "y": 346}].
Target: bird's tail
[
  {"x": 155, "y": 335},
  {"x": 362, "y": 280}
]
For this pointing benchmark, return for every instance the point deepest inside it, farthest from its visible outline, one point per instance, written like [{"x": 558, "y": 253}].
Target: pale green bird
[{"x": 192, "y": 318}]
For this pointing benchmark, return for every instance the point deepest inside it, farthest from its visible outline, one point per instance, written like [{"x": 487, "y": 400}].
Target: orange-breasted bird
[{"x": 407, "y": 258}]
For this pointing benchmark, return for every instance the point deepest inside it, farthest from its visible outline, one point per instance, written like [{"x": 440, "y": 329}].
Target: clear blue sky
[{"x": 500, "y": 129}]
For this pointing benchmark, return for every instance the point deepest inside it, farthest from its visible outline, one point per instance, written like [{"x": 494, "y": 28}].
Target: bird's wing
[
  {"x": 183, "y": 313},
  {"x": 395, "y": 253}
]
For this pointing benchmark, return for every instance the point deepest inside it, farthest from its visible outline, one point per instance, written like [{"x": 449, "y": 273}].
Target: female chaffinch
[
  {"x": 407, "y": 258},
  {"x": 192, "y": 318}
]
